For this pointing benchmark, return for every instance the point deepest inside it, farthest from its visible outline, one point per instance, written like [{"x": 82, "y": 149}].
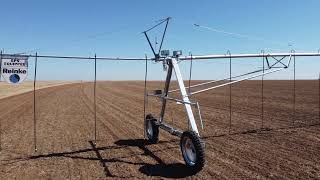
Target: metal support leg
[
  {"x": 145, "y": 97},
  {"x": 184, "y": 95},
  {"x": 166, "y": 89}
]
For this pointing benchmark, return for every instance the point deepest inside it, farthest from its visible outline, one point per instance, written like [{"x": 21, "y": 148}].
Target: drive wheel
[
  {"x": 192, "y": 150},
  {"x": 152, "y": 129}
]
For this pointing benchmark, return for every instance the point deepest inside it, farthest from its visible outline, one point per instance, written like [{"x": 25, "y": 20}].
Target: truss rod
[
  {"x": 215, "y": 81},
  {"x": 232, "y": 82},
  {"x": 172, "y": 99}
]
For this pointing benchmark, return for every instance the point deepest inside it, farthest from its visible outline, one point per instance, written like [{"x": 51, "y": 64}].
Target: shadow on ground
[
  {"x": 176, "y": 170},
  {"x": 160, "y": 169}
]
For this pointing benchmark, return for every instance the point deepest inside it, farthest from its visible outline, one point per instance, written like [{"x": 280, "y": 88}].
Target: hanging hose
[
  {"x": 230, "y": 89},
  {"x": 262, "y": 93},
  {"x": 190, "y": 74},
  {"x": 294, "y": 87}
]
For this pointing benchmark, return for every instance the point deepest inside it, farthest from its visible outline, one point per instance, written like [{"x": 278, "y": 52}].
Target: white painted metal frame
[
  {"x": 184, "y": 95},
  {"x": 253, "y": 74},
  {"x": 172, "y": 63}
]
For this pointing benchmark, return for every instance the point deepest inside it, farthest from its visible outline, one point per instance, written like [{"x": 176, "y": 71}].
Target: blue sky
[{"x": 113, "y": 28}]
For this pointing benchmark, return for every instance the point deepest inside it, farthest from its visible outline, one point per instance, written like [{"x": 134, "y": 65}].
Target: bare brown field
[
  {"x": 7, "y": 90},
  {"x": 282, "y": 146}
]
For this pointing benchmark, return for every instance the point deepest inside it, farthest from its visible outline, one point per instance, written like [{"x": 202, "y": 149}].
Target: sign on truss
[{"x": 14, "y": 69}]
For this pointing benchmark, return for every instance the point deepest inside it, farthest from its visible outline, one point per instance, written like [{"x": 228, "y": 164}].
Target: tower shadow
[{"x": 161, "y": 169}]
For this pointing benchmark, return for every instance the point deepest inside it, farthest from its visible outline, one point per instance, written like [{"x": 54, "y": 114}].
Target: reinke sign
[{"x": 14, "y": 70}]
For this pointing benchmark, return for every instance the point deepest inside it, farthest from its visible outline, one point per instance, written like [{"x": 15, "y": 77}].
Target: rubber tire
[
  {"x": 199, "y": 148},
  {"x": 155, "y": 129}
]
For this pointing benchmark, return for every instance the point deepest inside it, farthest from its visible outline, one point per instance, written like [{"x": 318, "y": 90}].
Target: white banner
[{"x": 15, "y": 69}]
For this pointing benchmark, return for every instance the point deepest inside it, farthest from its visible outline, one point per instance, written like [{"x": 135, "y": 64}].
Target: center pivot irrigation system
[{"x": 192, "y": 147}]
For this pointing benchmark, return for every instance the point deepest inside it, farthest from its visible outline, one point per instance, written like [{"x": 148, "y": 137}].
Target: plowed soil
[
  {"x": 7, "y": 90},
  {"x": 283, "y": 142}
]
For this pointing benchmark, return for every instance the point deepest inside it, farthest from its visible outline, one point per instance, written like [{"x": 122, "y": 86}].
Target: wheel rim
[
  {"x": 149, "y": 129},
  {"x": 189, "y": 151}
]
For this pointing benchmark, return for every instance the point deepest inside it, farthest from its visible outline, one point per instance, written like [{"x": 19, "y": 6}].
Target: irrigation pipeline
[
  {"x": 227, "y": 56},
  {"x": 193, "y": 57},
  {"x": 8, "y": 56}
]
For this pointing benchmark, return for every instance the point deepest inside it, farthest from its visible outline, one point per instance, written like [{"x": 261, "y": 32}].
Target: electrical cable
[{"x": 238, "y": 35}]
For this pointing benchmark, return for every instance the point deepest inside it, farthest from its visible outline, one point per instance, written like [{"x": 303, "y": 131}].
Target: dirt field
[
  {"x": 7, "y": 90},
  {"x": 283, "y": 145}
]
